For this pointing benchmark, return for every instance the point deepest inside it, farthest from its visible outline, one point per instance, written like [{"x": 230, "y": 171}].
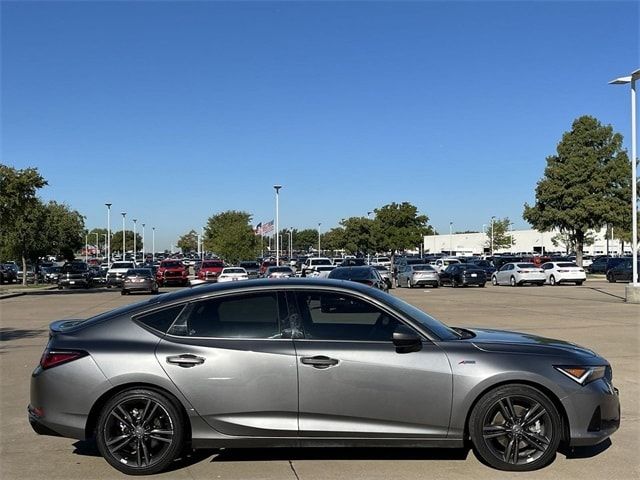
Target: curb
[{"x": 5, "y": 296}]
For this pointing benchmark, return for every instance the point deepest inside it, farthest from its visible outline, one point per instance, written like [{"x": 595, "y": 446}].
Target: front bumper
[
  {"x": 74, "y": 282},
  {"x": 593, "y": 413}
]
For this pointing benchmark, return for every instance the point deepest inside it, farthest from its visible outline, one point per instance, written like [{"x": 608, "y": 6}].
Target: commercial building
[{"x": 524, "y": 241}]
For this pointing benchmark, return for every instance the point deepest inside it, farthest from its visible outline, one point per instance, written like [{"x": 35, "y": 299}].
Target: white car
[
  {"x": 279, "y": 272},
  {"x": 384, "y": 261},
  {"x": 231, "y": 274},
  {"x": 560, "y": 272},
  {"x": 321, "y": 271},
  {"x": 311, "y": 263},
  {"x": 116, "y": 273},
  {"x": 441, "y": 263},
  {"x": 516, "y": 274}
]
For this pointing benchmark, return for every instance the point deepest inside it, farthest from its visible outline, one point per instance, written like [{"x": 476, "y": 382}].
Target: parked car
[
  {"x": 366, "y": 275},
  {"x": 139, "y": 280},
  {"x": 622, "y": 272},
  {"x": 352, "y": 262},
  {"x": 7, "y": 274},
  {"x": 326, "y": 362},
  {"x": 385, "y": 273},
  {"x": 210, "y": 270},
  {"x": 516, "y": 274},
  {"x": 321, "y": 271},
  {"x": 485, "y": 265},
  {"x": 279, "y": 272},
  {"x": 312, "y": 262},
  {"x": 384, "y": 261},
  {"x": 563, "y": 272},
  {"x": 252, "y": 268},
  {"x": 116, "y": 273},
  {"x": 172, "y": 272},
  {"x": 417, "y": 275},
  {"x": 31, "y": 274},
  {"x": 266, "y": 264},
  {"x": 462, "y": 275},
  {"x": 74, "y": 274},
  {"x": 232, "y": 274},
  {"x": 441, "y": 263}
]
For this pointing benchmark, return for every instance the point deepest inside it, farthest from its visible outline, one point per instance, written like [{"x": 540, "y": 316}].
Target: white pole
[
  {"x": 290, "y": 244},
  {"x": 277, "y": 188},
  {"x": 108, "y": 233},
  {"x": 450, "y": 238},
  {"x": 134, "y": 241},
  {"x": 634, "y": 186},
  {"x": 86, "y": 247},
  {"x": 105, "y": 246},
  {"x": 202, "y": 244},
  {"x": 142, "y": 242},
  {"x": 492, "y": 220},
  {"x": 97, "y": 244},
  {"x": 153, "y": 244},
  {"x": 124, "y": 214},
  {"x": 319, "y": 239}
]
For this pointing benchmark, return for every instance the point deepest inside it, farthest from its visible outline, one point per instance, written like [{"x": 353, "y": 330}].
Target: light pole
[
  {"x": 135, "y": 221},
  {"x": 105, "y": 245},
  {"x": 202, "y": 244},
  {"x": 97, "y": 243},
  {"x": 450, "y": 238},
  {"x": 86, "y": 248},
  {"x": 277, "y": 189},
  {"x": 153, "y": 244},
  {"x": 124, "y": 214},
  {"x": 142, "y": 242},
  {"x": 290, "y": 244},
  {"x": 319, "y": 238},
  {"x": 492, "y": 221},
  {"x": 108, "y": 232},
  {"x": 633, "y": 289}
]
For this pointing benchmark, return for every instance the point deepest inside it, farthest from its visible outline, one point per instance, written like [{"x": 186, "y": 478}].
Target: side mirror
[{"x": 406, "y": 340}]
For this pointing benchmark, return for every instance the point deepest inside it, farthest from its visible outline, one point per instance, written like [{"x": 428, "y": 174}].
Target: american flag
[
  {"x": 267, "y": 227},
  {"x": 258, "y": 229}
]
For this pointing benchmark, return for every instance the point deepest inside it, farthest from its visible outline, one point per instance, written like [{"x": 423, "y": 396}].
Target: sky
[{"x": 174, "y": 111}]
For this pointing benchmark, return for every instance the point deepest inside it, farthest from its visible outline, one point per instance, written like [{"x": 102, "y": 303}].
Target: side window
[
  {"x": 160, "y": 320},
  {"x": 238, "y": 316},
  {"x": 336, "y": 316}
]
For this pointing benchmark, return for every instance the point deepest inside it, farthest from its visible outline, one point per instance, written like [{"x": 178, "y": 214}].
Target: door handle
[
  {"x": 185, "y": 360},
  {"x": 319, "y": 361}
]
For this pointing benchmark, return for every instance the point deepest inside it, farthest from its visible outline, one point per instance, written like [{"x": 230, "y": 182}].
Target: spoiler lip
[{"x": 60, "y": 326}]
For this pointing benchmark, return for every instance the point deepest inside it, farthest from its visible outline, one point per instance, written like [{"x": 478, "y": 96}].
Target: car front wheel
[
  {"x": 140, "y": 432},
  {"x": 515, "y": 428},
  {"x": 512, "y": 281},
  {"x": 494, "y": 281},
  {"x": 552, "y": 280}
]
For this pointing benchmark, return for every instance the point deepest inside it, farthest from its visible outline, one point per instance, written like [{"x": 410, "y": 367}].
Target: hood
[{"x": 501, "y": 341}]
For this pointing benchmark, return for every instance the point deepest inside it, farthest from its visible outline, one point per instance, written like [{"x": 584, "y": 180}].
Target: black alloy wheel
[
  {"x": 140, "y": 432},
  {"x": 516, "y": 428}
]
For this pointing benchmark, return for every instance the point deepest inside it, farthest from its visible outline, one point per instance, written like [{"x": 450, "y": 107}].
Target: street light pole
[
  {"x": 105, "y": 245},
  {"x": 492, "y": 221},
  {"x": 134, "y": 241},
  {"x": 143, "y": 242},
  {"x": 277, "y": 189},
  {"x": 124, "y": 214},
  {"x": 450, "y": 238},
  {"x": 97, "y": 244},
  {"x": 319, "y": 238},
  {"x": 86, "y": 248},
  {"x": 108, "y": 233},
  {"x": 290, "y": 244},
  {"x": 633, "y": 290},
  {"x": 153, "y": 244}
]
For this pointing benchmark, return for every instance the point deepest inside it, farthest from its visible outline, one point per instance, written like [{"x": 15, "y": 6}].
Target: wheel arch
[
  {"x": 96, "y": 408},
  {"x": 564, "y": 419}
]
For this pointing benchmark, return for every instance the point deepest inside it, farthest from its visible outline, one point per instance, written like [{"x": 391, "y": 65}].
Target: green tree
[
  {"x": 398, "y": 226},
  {"x": 304, "y": 240},
  {"x": 22, "y": 213},
  {"x": 231, "y": 236},
  {"x": 63, "y": 230},
  {"x": 585, "y": 185},
  {"x": 188, "y": 242},
  {"x": 333, "y": 239},
  {"x": 116, "y": 241},
  {"x": 500, "y": 235},
  {"x": 358, "y": 235},
  {"x": 568, "y": 242}
]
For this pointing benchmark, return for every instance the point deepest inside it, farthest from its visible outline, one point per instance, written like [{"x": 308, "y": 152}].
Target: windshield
[
  {"x": 526, "y": 265},
  {"x": 423, "y": 268},
  {"x": 234, "y": 270},
  {"x": 122, "y": 265},
  {"x": 382, "y": 259},
  {"x": 171, "y": 264},
  {"x": 565, "y": 265},
  {"x": 249, "y": 265},
  {"x": 212, "y": 264},
  {"x": 351, "y": 273},
  {"x": 321, "y": 261},
  {"x": 74, "y": 268},
  {"x": 280, "y": 269}
]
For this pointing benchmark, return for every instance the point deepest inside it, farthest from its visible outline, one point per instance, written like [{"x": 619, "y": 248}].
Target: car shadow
[
  {"x": 8, "y": 334},
  {"x": 584, "y": 452}
]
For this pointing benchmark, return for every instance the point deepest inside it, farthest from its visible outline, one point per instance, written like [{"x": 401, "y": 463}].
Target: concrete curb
[{"x": 4, "y": 296}]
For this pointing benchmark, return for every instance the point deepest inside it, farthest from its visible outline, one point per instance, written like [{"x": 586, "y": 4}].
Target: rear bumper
[
  {"x": 425, "y": 281},
  {"x": 474, "y": 280}
]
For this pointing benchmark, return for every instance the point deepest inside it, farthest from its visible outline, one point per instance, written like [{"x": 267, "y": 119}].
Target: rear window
[
  {"x": 160, "y": 320},
  {"x": 212, "y": 264},
  {"x": 249, "y": 265},
  {"x": 527, "y": 265},
  {"x": 351, "y": 273},
  {"x": 234, "y": 270},
  {"x": 565, "y": 265},
  {"x": 423, "y": 268},
  {"x": 74, "y": 268},
  {"x": 320, "y": 261}
]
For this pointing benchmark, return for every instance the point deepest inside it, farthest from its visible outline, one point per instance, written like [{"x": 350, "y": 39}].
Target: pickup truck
[
  {"x": 116, "y": 273},
  {"x": 172, "y": 272}
]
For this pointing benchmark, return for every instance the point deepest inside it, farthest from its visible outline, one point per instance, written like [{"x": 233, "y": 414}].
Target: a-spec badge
[{"x": 467, "y": 362}]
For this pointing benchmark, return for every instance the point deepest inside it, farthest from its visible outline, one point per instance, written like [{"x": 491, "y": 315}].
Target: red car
[
  {"x": 172, "y": 272},
  {"x": 210, "y": 270}
]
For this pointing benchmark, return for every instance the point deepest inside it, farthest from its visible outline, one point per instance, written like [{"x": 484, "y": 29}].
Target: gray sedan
[
  {"x": 312, "y": 362},
  {"x": 417, "y": 275},
  {"x": 139, "y": 280}
]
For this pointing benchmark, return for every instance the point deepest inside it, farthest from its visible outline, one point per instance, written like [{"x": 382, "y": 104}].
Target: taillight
[{"x": 53, "y": 358}]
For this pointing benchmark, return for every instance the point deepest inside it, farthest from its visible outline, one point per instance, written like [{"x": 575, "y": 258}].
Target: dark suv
[
  {"x": 7, "y": 274},
  {"x": 74, "y": 274}
]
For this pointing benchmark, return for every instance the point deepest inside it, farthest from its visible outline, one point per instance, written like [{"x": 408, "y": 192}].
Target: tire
[
  {"x": 579, "y": 283},
  {"x": 123, "y": 292},
  {"x": 409, "y": 284},
  {"x": 141, "y": 454},
  {"x": 435, "y": 285},
  {"x": 454, "y": 284},
  {"x": 610, "y": 278},
  {"x": 481, "y": 285},
  {"x": 512, "y": 281},
  {"x": 504, "y": 439},
  {"x": 396, "y": 282},
  {"x": 552, "y": 281},
  {"x": 494, "y": 281}
]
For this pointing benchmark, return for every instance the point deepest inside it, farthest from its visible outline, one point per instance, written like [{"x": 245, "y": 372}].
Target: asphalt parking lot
[{"x": 593, "y": 315}]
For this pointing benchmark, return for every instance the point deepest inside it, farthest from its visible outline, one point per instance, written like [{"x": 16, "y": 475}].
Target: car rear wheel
[
  {"x": 610, "y": 278},
  {"x": 512, "y": 281},
  {"x": 580, "y": 282},
  {"x": 552, "y": 280},
  {"x": 124, "y": 292},
  {"x": 140, "y": 432},
  {"x": 481, "y": 285},
  {"x": 515, "y": 428}
]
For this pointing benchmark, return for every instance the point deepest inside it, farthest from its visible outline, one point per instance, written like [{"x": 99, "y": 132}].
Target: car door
[
  {"x": 228, "y": 357},
  {"x": 548, "y": 270},
  {"x": 503, "y": 274},
  {"x": 353, "y": 382}
]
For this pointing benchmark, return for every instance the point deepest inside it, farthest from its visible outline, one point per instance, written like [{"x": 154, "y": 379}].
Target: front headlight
[{"x": 582, "y": 375}]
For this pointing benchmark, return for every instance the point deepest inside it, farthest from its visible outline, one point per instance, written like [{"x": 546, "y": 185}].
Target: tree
[
  {"x": 500, "y": 235},
  {"x": 116, "y": 241},
  {"x": 188, "y": 242},
  {"x": 585, "y": 185},
  {"x": 306, "y": 239},
  {"x": 568, "y": 242},
  {"x": 398, "y": 226},
  {"x": 231, "y": 236},
  {"x": 358, "y": 235},
  {"x": 63, "y": 230},
  {"x": 333, "y": 239}
]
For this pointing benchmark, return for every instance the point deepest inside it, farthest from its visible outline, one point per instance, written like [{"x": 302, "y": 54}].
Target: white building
[{"x": 524, "y": 241}]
